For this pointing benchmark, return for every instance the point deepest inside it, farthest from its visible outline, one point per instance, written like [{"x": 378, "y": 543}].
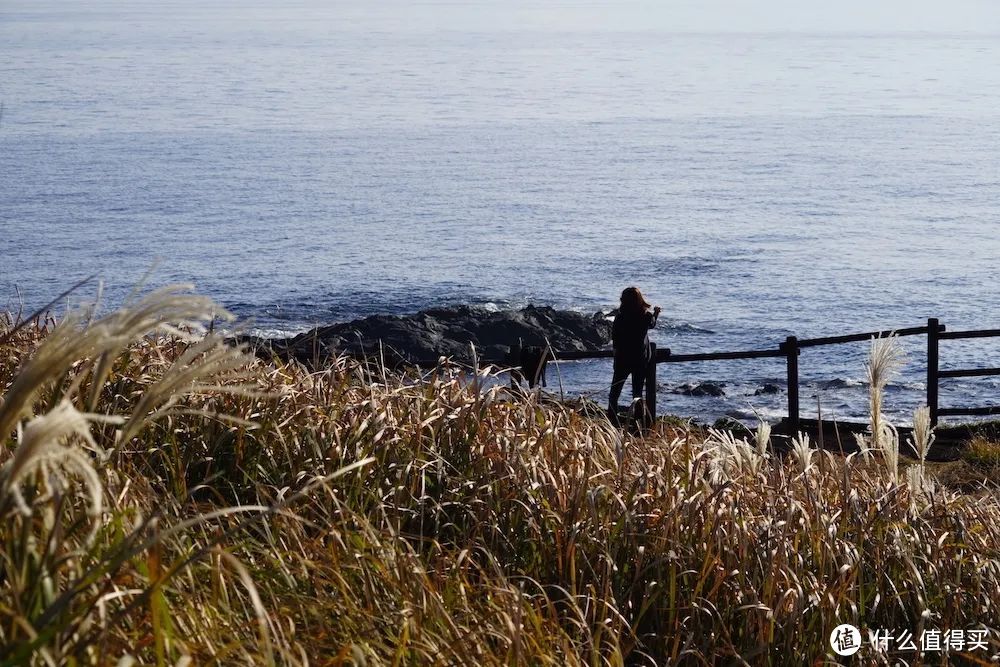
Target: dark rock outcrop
[
  {"x": 425, "y": 336},
  {"x": 701, "y": 389},
  {"x": 768, "y": 388}
]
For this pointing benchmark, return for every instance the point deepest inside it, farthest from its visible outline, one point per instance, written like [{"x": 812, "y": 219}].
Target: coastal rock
[
  {"x": 423, "y": 337},
  {"x": 701, "y": 389},
  {"x": 768, "y": 388}
]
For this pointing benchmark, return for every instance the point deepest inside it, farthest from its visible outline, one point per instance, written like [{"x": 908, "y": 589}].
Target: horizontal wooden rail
[
  {"x": 969, "y": 372},
  {"x": 981, "y": 333},
  {"x": 952, "y": 412},
  {"x": 791, "y": 347},
  {"x": 857, "y": 338},
  {"x": 665, "y": 356},
  {"x": 718, "y": 356},
  {"x": 576, "y": 355}
]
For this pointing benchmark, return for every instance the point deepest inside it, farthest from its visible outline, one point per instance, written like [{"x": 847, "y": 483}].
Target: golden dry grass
[{"x": 167, "y": 500}]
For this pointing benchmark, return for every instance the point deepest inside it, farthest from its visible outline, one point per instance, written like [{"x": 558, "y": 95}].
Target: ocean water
[{"x": 316, "y": 162}]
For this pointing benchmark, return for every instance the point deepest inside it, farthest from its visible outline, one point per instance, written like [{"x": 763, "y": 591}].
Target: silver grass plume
[
  {"x": 803, "y": 452},
  {"x": 889, "y": 446},
  {"x": 885, "y": 358},
  {"x": 733, "y": 456},
  {"x": 56, "y": 447},
  {"x": 763, "y": 437},
  {"x": 921, "y": 441},
  {"x": 170, "y": 310},
  {"x": 923, "y": 433},
  {"x": 59, "y": 445}
]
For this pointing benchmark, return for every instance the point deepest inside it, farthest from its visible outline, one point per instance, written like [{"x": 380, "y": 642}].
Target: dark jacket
[{"x": 629, "y": 336}]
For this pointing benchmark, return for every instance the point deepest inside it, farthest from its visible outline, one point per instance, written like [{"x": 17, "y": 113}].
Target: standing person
[{"x": 631, "y": 342}]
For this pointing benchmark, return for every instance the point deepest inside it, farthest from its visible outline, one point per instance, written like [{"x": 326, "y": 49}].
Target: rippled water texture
[{"x": 319, "y": 162}]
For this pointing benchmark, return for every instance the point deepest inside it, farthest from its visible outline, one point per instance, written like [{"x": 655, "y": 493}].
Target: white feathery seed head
[
  {"x": 803, "y": 451},
  {"x": 52, "y": 449}
]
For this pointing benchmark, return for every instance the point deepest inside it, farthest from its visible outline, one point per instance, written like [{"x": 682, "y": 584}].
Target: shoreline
[{"x": 422, "y": 338}]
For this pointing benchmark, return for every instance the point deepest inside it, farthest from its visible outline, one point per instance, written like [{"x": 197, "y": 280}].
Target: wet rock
[
  {"x": 768, "y": 388},
  {"x": 423, "y": 337},
  {"x": 701, "y": 389}
]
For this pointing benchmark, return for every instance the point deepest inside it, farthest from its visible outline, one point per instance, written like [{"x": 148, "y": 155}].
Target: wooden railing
[
  {"x": 934, "y": 374},
  {"x": 791, "y": 348}
]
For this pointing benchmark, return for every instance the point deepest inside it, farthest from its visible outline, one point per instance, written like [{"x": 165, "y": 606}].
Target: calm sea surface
[{"x": 311, "y": 164}]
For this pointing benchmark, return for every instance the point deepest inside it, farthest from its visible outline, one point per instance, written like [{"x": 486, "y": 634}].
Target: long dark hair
[{"x": 633, "y": 301}]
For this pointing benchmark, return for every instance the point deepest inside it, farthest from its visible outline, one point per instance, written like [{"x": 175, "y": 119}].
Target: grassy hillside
[{"x": 165, "y": 499}]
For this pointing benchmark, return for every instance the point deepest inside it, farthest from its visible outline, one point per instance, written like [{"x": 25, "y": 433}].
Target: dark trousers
[{"x": 623, "y": 368}]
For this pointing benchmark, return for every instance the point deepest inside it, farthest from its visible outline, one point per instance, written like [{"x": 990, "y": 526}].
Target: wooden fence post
[
  {"x": 791, "y": 349},
  {"x": 933, "y": 331},
  {"x": 651, "y": 384}
]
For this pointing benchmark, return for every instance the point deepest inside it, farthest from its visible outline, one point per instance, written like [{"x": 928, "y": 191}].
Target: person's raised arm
[{"x": 654, "y": 317}]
